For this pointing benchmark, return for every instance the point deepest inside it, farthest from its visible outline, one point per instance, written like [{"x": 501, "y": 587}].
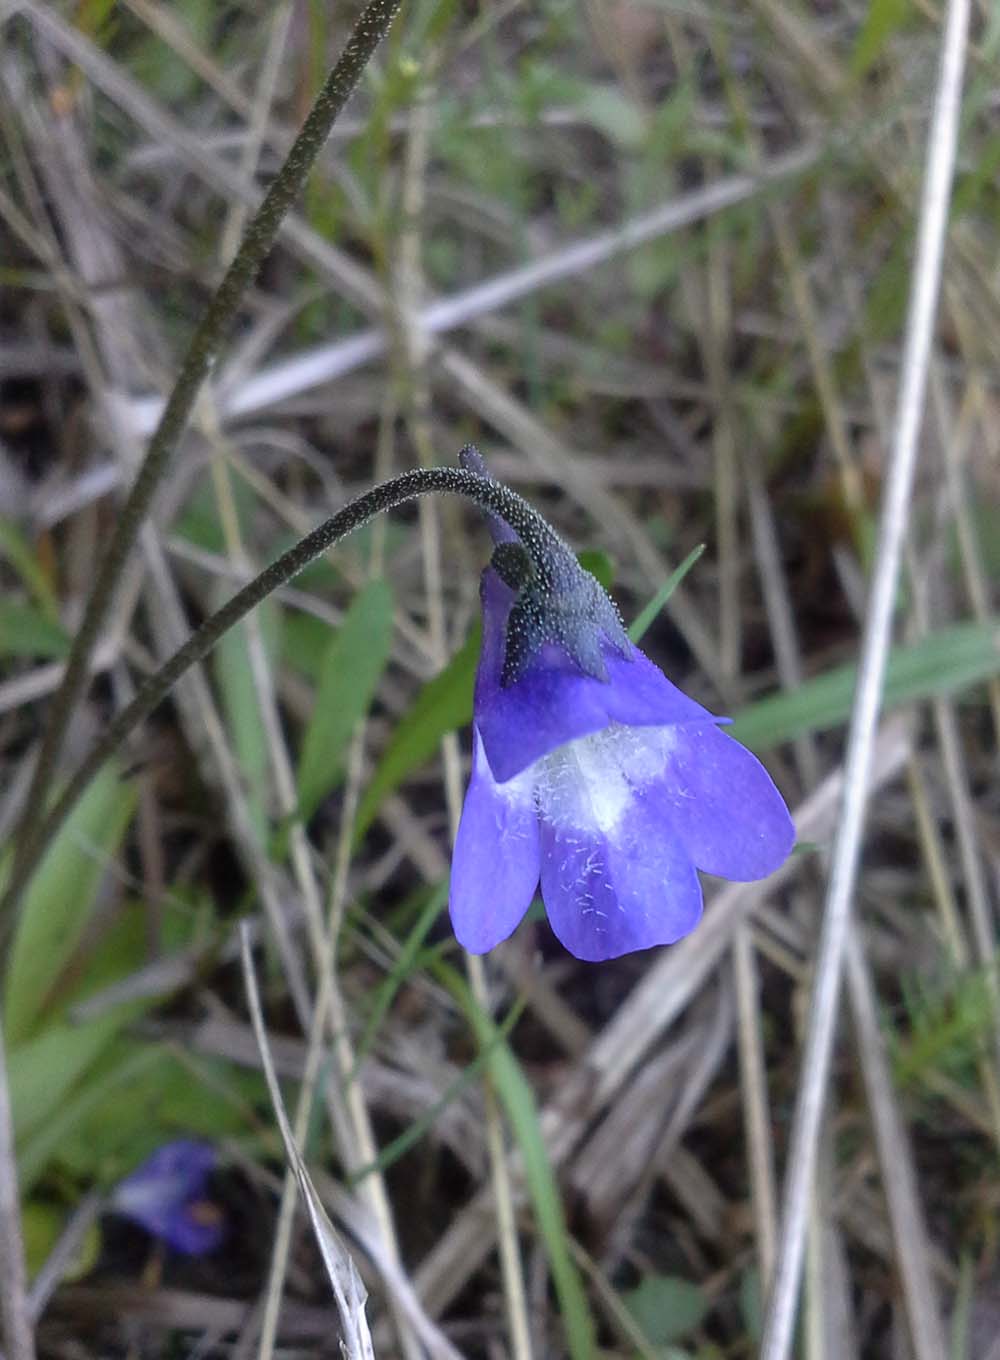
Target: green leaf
[
  {"x": 946, "y": 661},
  {"x": 241, "y": 704},
  {"x": 352, "y": 668},
  {"x": 599, "y": 564},
  {"x": 443, "y": 704},
  {"x": 26, "y": 631},
  {"x": 518, "y": 1100},
  {"x": 884, "y": 18},
  {"x": 60, "y": 900},
  {"x": 123, "y": 947},
  {"x": 617, "y": 116},
  {"x": 136, "y": 1097},
  {"x": 48, "y": 1137},
  {"x": 43, "y": 1070},
  {"x": 43, "y": 1224},
  {"x": 18, "y": 551},
  {"x": 304, "y": 640},
  {"x": 666, "y": 1307},
  {"x": 148, "y": 1094},
  {"x": 50, "y": 1066}
]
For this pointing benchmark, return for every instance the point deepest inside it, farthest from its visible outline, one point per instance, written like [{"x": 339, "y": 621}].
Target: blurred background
[{"x": 653, "y": 257}]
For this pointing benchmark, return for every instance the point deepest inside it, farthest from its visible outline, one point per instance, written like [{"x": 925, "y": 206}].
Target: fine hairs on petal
[
  {"x": 596, "y": 776},
  {"x": 591, "y": 781}
]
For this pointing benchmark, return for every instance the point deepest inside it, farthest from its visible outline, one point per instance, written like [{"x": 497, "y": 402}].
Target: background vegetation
[{"x": 653, "y": 257}]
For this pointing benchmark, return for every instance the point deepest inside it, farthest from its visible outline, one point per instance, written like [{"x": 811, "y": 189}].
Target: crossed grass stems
[{"x": 761, "y": 531}]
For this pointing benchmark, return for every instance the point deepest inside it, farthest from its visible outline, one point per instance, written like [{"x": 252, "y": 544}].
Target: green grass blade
[
  {"x": 645, "y": 618},
  {"x": 946, "y": 662},
  {"x": 443, "y": 704},
  {"x": 233, "y": 669},
  {"x": 412, "y": 1134},
  {"x": 401, "y": 970},
  {"x": 519, "y": 1103},
  {"x": 18, "y": 552},
  {"x": 60, "y": 900},
  {"x": 352, "y": 667},
  {"x": 25, "y": 630},
  {"x": 44, "y": 1070},
  {"x": 34, "y": 1155}
]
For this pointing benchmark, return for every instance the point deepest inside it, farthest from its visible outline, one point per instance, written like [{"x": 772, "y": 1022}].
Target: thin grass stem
[
  {"x": 195, "y": 367},
  {"x": 537, "y": 535},
  {"x": 936, "y": 194}
]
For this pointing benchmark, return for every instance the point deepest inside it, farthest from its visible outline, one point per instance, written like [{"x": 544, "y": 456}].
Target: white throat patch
[{"x": 589, "y": 783}]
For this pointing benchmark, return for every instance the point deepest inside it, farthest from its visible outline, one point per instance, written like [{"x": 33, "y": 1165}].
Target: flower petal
[
  {"x": 610, "y": 892},
  {"x": 193, "y": 1229},
  {"x": 554, "y": 702},
  {"x": 724, "y": 806},
  {"x": 494, "y": 870},
  {"x": 163, "y": 1195}
]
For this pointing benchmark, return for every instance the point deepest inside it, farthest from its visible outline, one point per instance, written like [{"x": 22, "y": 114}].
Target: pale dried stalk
[
  {"x": 324, "y": 363},
  {"x": 95, "y": 253},
  {"x": 756, "y": 1109},
  {"x": 350, "y": 1114},
  {"x": 18, "y": 1333},
  {"x": 652, "y": 1006},
  {"x": 780, "y": 1315},
  {"x": 898, "y": 1174},
  {"x": 345, "y": 1281},
  {"x": 412, "y": 347}
]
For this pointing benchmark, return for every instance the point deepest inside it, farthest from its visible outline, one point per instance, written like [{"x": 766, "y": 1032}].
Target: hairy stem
[
  {"x": 538, "y": 537},
  {"x": 260, "y": 235}
]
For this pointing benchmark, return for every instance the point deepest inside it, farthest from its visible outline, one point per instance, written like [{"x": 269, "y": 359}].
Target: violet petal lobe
[
  {"x": 164, "y": 1196},
  {"x": 554, "y": 702},
  {"x": 495, "y": 864},
  {"x": 611, "y": 891},
  {"x": 724, "y": 806}
]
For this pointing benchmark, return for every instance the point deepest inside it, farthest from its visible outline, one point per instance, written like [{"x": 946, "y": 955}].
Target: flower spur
[{"x": 596, "y": 777}]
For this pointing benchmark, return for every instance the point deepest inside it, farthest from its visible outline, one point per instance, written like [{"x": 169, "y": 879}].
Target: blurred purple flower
[
  {"x": 165, "y": 1195},
  {"x": 606, "y": 783}
]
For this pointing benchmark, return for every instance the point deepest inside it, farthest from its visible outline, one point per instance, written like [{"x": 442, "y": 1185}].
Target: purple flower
[
  {"x": 165, "y": 1196},
  {"x": 604, "y": 782}
]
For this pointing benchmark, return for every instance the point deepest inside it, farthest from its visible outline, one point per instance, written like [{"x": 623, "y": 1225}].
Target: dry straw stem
[
  {"x": 351, "y": 1123},
  {"x": 289, "y": 378},
  {"x": 952, "y": 439},
  {"x": 411, "y": 350},
  {"x": 756, "y": 1109},
  {"x": 489, "y": 402},
  {"x": 335, "y": 266},
  {"x": 201, "y": 353},
  {"x": 18, "y": 1335},
  {"x": 663, "y": 994},
  {"x": 348, "y": 1291},
  {"x": 348, "y": 1111},
  {"x": 780, "y": 1316},
  {"x": 92, "y": 250},
  {"x": 896, "y": 1162},
  {"x": 840, "y": 94}
]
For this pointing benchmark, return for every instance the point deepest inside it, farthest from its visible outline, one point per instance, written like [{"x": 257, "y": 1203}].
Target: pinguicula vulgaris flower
[
  {"x": 166, "y": 1196},
  {"x": 593, "y": 775}
]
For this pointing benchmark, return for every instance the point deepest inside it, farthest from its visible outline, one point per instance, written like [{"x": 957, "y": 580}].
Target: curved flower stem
[
  {"x": 537, "y": 535},
  {"x": 260, "y": 235}
]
